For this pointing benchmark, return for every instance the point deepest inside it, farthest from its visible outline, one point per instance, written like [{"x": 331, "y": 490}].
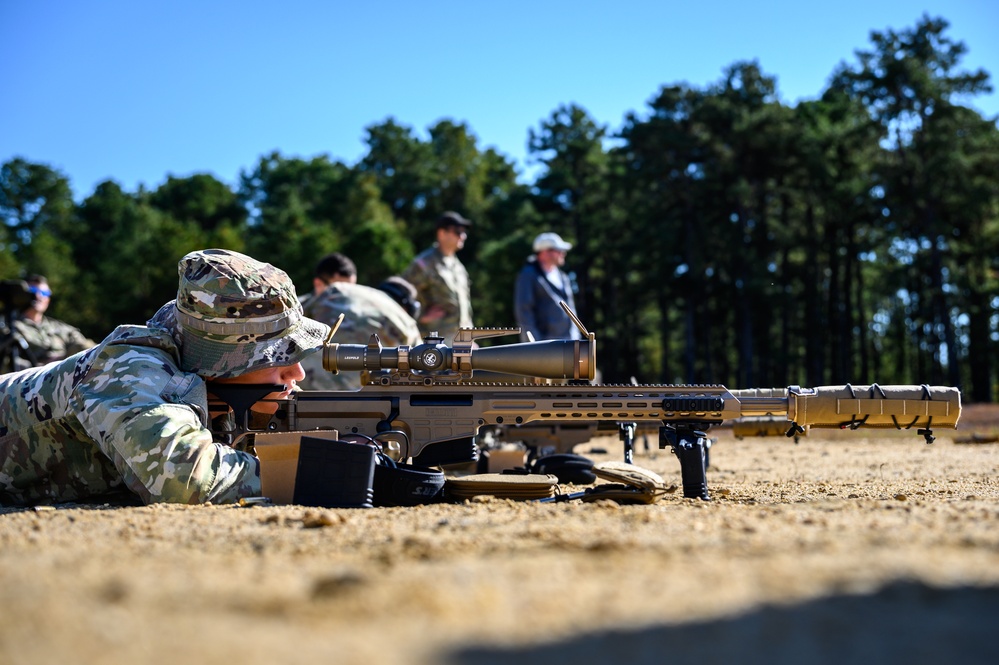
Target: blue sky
[{"x": 136, "y": 90}]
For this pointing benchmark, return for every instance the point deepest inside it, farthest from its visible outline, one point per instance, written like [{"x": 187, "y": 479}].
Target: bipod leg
[
  {"x": 627, "y": 433},
  {"x": 690, "y": 446}
]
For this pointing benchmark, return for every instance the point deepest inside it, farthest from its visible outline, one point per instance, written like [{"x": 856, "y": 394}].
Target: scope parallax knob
[{"x": 428, "y": 359}]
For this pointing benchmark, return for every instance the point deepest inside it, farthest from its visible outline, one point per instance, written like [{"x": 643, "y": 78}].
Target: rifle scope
[{"x": 549, "y": 359}]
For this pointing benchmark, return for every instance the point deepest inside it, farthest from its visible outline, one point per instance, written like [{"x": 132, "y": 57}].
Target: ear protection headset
[{"x": 402, "y": 296}]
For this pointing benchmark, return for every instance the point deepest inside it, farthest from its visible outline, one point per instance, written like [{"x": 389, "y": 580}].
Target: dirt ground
[{"x": 845, "y": 547}]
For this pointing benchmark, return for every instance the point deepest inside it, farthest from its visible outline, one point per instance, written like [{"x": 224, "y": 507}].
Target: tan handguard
[{"x": 848, "y": 406}]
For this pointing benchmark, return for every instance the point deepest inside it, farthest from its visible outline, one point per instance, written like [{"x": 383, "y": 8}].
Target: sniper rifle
[{"x": 425, "y": 397}]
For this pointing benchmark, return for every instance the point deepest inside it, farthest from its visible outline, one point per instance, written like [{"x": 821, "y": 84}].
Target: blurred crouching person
[
  {"x": 366, "y": 311},
  {"x": 47, "y": 339}
]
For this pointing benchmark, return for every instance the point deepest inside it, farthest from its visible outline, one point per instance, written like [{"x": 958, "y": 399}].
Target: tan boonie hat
[{"x": 236, "y": 315}]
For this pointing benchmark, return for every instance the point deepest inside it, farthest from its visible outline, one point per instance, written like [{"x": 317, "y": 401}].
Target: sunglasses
[{"x": 37, "y": 290}]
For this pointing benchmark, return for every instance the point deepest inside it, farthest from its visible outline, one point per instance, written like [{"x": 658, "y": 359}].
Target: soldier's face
[
  {"x": 289, "y": 375},
  {"x": 452, "y": 239},
  {"x": 42, "y": 297}
]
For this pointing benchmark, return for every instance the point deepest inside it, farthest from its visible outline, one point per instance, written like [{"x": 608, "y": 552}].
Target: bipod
[
  {"x": 627, "y": 433},
  {"x": 690, "y": 445}
]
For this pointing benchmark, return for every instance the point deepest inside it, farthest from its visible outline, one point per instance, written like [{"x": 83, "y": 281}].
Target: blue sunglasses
[{"x": 37, "y": 290}]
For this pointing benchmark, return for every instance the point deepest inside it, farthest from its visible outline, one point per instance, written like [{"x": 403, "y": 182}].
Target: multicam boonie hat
[{"x": 237, "y": 314}]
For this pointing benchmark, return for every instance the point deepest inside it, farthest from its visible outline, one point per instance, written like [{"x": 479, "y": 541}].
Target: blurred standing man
[
  {"x": 48, "y": 339},
  {"x": 366, "y": 311},
  {"x": 441, "y": 280},
  {"x": 541, "y": 284}
]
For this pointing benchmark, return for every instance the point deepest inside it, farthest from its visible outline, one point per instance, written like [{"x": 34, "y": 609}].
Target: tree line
[{"x": 721, "y": 235}]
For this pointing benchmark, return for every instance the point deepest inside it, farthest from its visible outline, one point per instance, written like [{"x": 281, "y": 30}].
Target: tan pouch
[
  {"x": 628, "y": 483},
  {"x": 629, "y": 474},
  {"x": 620, "y": 493},
  {"x": 520, "y": 487}
]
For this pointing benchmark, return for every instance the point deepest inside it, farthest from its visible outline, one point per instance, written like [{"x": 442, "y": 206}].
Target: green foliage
[
  {"x": 294, "y": 212},
  {"x": 400, "y": 163},
  {"x": 726, "y": 237},
  {"x": 10, "y": 268},
  {"x": 373, "y": 238},
  {"x": 201, "y": 199},
  {"x": 572, "y": 193},
  {"x": 31, "y": 197},
  {"x": 122, "y": 277}
]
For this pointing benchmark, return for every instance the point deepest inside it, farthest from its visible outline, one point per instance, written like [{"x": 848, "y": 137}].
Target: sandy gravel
[{"x": 846, "y": 547}]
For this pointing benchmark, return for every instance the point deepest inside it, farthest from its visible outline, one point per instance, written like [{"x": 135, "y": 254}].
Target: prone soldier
[{"x": 131, "y": 414}]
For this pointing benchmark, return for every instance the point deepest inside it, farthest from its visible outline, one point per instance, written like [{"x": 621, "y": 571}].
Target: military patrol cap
[
  {"x": 236, "y": 314},
  {"x": 451, "y": 218}
]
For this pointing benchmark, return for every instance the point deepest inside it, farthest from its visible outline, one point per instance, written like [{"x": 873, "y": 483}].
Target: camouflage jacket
[
  {"x": 121, "y": 415},
  {"x": 366, "y": 310},
  {"x": 50, "y": 339},
  {"x": 442, "y": 280}
]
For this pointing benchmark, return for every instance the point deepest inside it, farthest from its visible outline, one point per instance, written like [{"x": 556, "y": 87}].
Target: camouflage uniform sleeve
[
  {"x": 416, "y": 273},
  {"x": 140, "y": 409},
  {"x": 36, "y": 341},
  {"x": 327, "y": 307},
  {"x": 398, "y": 327},
  {"x": 52, "y": 339},
  {"x": 438, "y": 285},
  {"x": 465, "y": 299},
  {"x": 441, "y": 283},
  {"x": 409, "y": 332},
  {"x": 439, "y": 292},
  {"x": 75, "y": 340}
]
